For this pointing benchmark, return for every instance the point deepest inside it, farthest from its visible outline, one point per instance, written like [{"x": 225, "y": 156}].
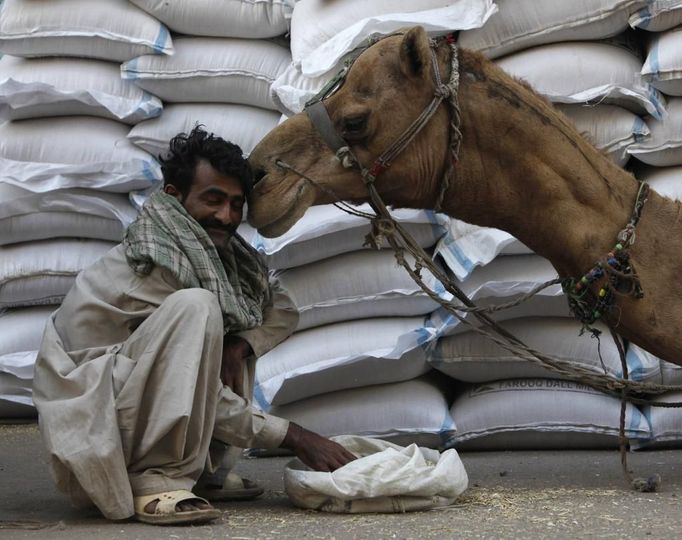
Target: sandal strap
[
  {"x": 234, "y": 481},
  {"x": 168, "y": 500}
]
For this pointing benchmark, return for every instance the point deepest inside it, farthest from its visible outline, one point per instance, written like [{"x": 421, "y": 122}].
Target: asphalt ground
[{"x": 521, "y": 494}]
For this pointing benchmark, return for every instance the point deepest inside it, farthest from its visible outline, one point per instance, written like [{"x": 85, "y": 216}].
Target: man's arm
[{"x": 280, "y": 319}]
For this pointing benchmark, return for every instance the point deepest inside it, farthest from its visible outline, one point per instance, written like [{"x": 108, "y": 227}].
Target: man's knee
[{"x": 194, "y": 303}]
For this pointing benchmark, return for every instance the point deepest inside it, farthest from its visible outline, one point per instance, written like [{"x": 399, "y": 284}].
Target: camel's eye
[{"x": 354, "y": 127}]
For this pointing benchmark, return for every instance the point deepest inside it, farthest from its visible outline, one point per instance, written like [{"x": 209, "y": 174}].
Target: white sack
[
  {"x": 663, "y": 64},
  {"x": 107, "y": 29},
  {"x": 342, "y": 355},
  {"x": 222, "y": 18},
  {"x": 670, "y": 374},
  {"x": 215, "y": 70},
  {"x": 472, "y": 357},
  {"x": 16, "y": 382},
  {"x": 40, "y": 87},
  {"x": 12, "y": 409},
  {"x": 356, "y": 285},
  {"x": 41, "y": 273},
  {"x": 467, "y": 246},
  {"x": 666, "y": 181},
  {"x": 590, "y": 72},
  {"x": 322, "y": 32},
  {"x": 57, "y": 153},
  {"x": 538, "y": 414},
  {"x": 609, "y": 128},
  {"x": 385, "y": 478},
  {"x": 407, "y": 412},
  {"x": 26, "y": 216},
  {"x": 22, "y": 329},
  {"x": 658, "y": 15},
  {"x": 325, "y": 231},
  {"x": 242, "y": 125},
  {"x": 292, "y": 90},
  {"x": 663, "y": 148},
  {"x": 504, "y": 280},
  {"x": 665, "y": 422},
  {"x": 520, "y": 24}
]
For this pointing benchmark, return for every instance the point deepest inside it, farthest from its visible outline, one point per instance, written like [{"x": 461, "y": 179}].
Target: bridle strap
[{"x": 319, "y": 117}]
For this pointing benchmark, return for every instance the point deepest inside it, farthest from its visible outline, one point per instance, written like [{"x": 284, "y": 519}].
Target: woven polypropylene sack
[
  {"x": 242, "y": 125},
  {"x": 44, "y": 154},
  {"x": 663, "y": 148},
  {"x": 663, "y": 64},
  {"x": 520, "y": 24},
  {"x": 112, "y": 30},
  {"x": 591, "y": 72},
  {"x": 252, "y": 19},
  {"x": 40, "y": 87},
  {"x": 212, "y": 70},
  {"x": 658, "y": 15}
]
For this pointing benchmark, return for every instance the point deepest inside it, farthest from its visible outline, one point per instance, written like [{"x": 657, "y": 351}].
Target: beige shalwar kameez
[{"x": 127, "y": 386}]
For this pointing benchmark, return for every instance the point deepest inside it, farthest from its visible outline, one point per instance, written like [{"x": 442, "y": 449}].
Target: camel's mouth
[
  {"x": 281, "y": 225},
  {"x": 288, "y": 208}
]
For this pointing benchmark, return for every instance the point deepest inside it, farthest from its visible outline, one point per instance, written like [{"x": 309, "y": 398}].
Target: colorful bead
[
  {"x": 619, "y": 246},
  {"x": 584, "y": 280},
  {"x": 602, "y": 293}
]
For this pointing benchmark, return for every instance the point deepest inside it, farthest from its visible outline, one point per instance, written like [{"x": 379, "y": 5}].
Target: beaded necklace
[{"x": 616, "y": 270}]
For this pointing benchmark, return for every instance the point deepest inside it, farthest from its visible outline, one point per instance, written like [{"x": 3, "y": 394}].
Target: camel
[{"x": 522, "y": 168}]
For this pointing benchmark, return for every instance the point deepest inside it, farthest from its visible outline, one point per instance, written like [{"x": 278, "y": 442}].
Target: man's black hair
[{"x": 179, "y": 164}]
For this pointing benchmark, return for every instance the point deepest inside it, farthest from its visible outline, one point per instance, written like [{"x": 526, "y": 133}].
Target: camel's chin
[
  {"x": 287, "y": 219},
  {"x": 278, "y": 228}
]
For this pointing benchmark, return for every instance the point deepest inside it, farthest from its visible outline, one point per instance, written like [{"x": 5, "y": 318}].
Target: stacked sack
[
  {"x": 225, "y": 60},
  {"x": 659, "y": 162},
  {"x": 507, "y": 402},
  {"x": 66, "y": 164},
  {"x": 323, "y": 34},
  {"x": 491, "y": 265},
  {"x": 357, "y": 363}
]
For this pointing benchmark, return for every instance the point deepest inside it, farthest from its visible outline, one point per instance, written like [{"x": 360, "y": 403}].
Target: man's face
[{"x": 214, "y": 200}]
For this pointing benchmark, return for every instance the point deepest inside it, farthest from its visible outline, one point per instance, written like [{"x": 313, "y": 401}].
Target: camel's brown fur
[{"x": 523, "y": 168}]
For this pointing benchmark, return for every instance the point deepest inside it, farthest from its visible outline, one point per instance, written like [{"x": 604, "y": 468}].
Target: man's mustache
[{"x": 215, "y": 224}]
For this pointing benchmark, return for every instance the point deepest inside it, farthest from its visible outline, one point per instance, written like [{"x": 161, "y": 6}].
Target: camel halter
[{"x": 320, "y": 119}]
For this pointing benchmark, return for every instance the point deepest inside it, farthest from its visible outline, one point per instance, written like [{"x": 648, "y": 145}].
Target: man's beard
[{"x": 219, "y": 233}]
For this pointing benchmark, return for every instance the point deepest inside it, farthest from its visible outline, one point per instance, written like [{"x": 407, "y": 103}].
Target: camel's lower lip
[
  {"x": 274, "y": 228},
  {"x": 279, "y": 225}
]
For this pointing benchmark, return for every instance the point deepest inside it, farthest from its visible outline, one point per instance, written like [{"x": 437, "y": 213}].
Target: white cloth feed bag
[{"x": 385, "y": 478}]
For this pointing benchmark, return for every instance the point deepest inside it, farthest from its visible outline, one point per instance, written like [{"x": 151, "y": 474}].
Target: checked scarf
[{"x": 166, "y": 235}]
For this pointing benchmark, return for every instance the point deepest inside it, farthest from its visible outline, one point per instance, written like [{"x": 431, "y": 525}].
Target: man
[{"x": 145, "y": 372}]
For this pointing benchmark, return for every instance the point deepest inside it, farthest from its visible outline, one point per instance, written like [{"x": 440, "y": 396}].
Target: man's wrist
[
  {"x": 245, "y": 348},
  {"x": 292, "y": 438}
]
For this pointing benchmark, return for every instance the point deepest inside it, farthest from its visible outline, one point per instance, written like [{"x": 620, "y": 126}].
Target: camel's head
[{"x": 386, "y": 89}]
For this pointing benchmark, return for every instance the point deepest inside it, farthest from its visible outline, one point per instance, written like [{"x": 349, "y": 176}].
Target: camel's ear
[{"x": 415, "y": 53}]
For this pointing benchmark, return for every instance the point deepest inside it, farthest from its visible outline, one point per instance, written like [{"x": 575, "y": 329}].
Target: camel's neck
[{"x": 524, "y": 169}]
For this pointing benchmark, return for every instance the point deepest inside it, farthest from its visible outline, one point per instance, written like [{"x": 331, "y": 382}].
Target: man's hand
[
  {"x": 235, "y": 352},
  {"x": 317, "y": 452}
]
